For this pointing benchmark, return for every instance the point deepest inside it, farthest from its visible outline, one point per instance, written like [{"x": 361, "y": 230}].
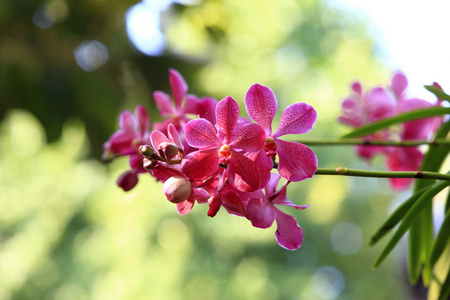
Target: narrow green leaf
[
  {"x": 395, "y": 217},
  {"x": 442, "y": 240},
  {"x": 421, "y": 231},
  {"x": 445, "y": 288},
  {"x": 438, "y": 92},
  {"x": 408, "y": 116},
  {"x": 409, "y": 218}
]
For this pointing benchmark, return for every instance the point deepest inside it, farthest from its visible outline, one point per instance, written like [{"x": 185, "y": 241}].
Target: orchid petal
[
  {"x": 163, "y": 102},
  {"x": 200, "y": 133},
  {"x": 243, "y": 173},
  {"x": 165, "y": 171},
  {"x": 199, "y": 165},
  {"x": 174, "y": 136},
  {"x": 227, "y": 114},
  {"x": 379, "y": 104},
  {"x": 121, "y": 142},
  {"x": 127, "y": 180},
  {"x": 127, "y": 122},
  {"x": 142, "y": 118},
  {"x": 157, "y": 137},
  {"x": 260, "y": 212},
  {"x": 233, "y": 203},
  {"x": 250, "y": 137},
  {"x": 201, "y": 195},
  {"x": 296, "y": 161},
  {"x": 296, "y": 119},
  {"x": 265, "y": 165},
  {"x": 289, "y": 235},
  {"x": 261, "y": 106},
  {"x": 399, "y": 84},
  {"x": 214, "y": 205},
  {"x": 186, "y": 206},
  {"x": 179, "y": 87},
  {"x": 203, "y": 108}
]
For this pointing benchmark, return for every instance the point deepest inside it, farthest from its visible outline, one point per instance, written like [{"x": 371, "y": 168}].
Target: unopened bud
[
  {"x": 127, "y": 180},
  {"x": 146, "y": 150},
  {"x": 149, "y": 163},
  {"x": 167, "y": 150},
  {"x": 107, "y": 157},
  {"x": 177, "y": 189}
]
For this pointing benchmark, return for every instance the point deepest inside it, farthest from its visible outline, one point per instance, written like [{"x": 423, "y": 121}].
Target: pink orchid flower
[
  {"x": 225, "y": 147},
  {"x": 296, "y": 161}
]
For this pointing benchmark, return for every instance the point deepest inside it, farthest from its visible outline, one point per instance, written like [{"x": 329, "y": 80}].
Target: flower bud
[
  {"x": 177, "y": 189},
  {"x": 167, "y": 150},
  {"x": 146, "y": 150},
  {"x": 127, "y": 180},
  {"x": 149, "y": 163}
]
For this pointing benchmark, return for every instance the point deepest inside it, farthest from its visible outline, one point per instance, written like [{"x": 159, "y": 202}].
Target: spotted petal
[
  {"x": 199, "y": 165},
  {"x": 243, "y": 173},
  {"x": 227, "y": 114},
  {"x": 250, "y": 137},
  {"x": 200, "y": 133},
  {"x": 296, "y": 161},
  {"x": 296, "y": 119},
  {"x": 261, "y": 106}
]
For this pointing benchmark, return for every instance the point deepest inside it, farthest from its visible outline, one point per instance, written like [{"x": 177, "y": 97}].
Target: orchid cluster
[
  {"x": 205, "y": 152},
  {"x": 362, "y": 108}
]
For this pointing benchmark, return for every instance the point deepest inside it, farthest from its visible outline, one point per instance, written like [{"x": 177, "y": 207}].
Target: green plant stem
[
  {"x": 360, "y": 141},
  {"x": 384, "y": 174}
]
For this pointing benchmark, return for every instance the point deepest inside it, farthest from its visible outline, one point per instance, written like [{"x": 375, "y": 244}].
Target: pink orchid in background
[
  {"x": 360, "y": 109},
  {"x": 296, "y": 161},
  {"x": 224, "y": 147}
]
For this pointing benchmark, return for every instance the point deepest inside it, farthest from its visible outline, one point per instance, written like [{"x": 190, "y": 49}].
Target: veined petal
[
  {"x": 200, "y": 133},
  {"x": 261, "y": 106},
  {"x": 243, "y": 173},
  {"x": 165, "y": 171},
  {"x": 179, "y": 87},
  {"x": 163, "y": 102},
  {"x": 265, "y": 165},
  {"x": 227, "y": 114},
  {"x": 289, "y": 235},
  {"x": 250, "y": 137},
  {"x": 127, "y": 122},
  {"x": 260, "y": 212},
  {"x": 296, "y": 161},
  {"x": 142, "y": 118},
  {"x": 296, "y": 119},
  {"x": 233, "y": 203},
  {"x": 199, "y": 165}
]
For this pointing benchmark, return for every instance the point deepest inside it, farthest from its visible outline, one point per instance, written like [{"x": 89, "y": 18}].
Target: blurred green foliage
[{"x": 66, "y": 230}]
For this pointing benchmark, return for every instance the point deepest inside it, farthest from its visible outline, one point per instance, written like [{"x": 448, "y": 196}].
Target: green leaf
[
  {"x": 409, "y": 218},
  {"x": 421, "y": 231},
  {"x": 441, "y": 241},
  {"x": 395, "y": 217},
  {"x": 408, "y": 116},
  {"x": 445, "y": 291},
  {"x": 438, "y": 92}
]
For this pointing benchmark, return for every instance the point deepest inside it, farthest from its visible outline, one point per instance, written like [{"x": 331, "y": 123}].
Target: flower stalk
[
  {"x": 384, "y": 174},
  {"x": 356, "y": 141}
]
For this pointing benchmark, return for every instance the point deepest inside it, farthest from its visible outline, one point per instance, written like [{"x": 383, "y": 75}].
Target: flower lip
[
  {"x": 270, "y": 146},
  {"x": 224, "y": 154}
]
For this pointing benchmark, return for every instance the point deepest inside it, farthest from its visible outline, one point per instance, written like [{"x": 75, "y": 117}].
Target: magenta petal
[
  {"x": 163, "y": 102},
  {"x": 174, "y": 135},
  {"x": 157, "y": 137},
  {"x": 296, "y": 161},
  {"x": 165, "y": 171},
  {"x": 122, "y": 142},
  {"x": 265, "y": 165},
  {"x": 200, "y": 133},
  {"x": 261, "y": 106},
  {"x": 289, "y": 235},
  {"x": 227, "y": 114},
  {"x": 250, "y": 138},
  {"x": 178, "y": 85},
  {"x": 127, "y": 180},
  {"x": 243, "y": 173},
  {"x": 399, "y": 84},
  {"x": 260, "y": 212},
  {"x": 186, "y": 206},
  {"x": 296, "y": 119},
  {"x": 233, "y": 204},
  {"x": 127, "y": 122},
  {"x": 203, "y": 108},
  {"x": 199, "y": 165},
  {"x": 143, "y": 118}
]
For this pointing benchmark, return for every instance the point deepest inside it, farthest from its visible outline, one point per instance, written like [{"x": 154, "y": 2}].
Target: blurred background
[{"x": 68, "y": 68}]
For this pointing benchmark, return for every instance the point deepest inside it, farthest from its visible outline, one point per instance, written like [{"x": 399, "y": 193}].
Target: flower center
[
  {"x": 224, "y": 154},
  {"x": 270, "y": 146}
]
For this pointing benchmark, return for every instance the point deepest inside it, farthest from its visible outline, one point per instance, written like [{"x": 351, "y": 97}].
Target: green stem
[
  {"x": 384, "y": 174},
  {"x": 359, "y": 141}
]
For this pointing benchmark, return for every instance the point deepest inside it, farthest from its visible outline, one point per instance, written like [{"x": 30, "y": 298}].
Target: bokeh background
[{"x": 67, "y": 232}]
